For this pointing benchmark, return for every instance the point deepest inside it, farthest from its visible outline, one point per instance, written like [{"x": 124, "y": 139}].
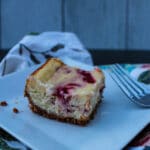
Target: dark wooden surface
[
  {"x": 101, "y": 57},
  {"x": 117, "y": 56},
  {"x": 2, "y": 53}
]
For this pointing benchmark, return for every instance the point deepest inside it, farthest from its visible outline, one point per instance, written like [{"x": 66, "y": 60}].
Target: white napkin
[{"x": 35, "y": 49}]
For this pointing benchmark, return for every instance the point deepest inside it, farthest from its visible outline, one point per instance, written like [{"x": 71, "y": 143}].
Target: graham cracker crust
[{"x": 81, "y": 122}]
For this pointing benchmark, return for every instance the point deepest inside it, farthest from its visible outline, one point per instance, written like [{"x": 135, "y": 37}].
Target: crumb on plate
[
  {"x": 3, "y": 103},
  {"x": 15, "y": 110}
]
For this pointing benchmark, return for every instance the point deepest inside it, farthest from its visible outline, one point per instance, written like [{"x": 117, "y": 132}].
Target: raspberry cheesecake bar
[{"x": 64, "y": 93}]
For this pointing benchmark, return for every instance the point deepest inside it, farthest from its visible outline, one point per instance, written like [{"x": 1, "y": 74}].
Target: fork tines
[{"x": 128, "y": 85}]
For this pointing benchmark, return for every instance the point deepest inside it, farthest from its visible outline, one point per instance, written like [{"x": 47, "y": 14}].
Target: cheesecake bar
[{"x": 69, "y": 94}]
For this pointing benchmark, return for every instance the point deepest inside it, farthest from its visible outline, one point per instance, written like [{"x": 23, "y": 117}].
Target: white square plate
[{"x": 116, "y": 122}]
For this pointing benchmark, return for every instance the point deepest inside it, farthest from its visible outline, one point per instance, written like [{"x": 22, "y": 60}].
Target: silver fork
[{"x": 134, "y": 90}]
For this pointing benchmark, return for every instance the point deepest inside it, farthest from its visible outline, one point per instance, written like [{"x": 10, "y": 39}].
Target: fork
[{"x": 135, "y": 91}]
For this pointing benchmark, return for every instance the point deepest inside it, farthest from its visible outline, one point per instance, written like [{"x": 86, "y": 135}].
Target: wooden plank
[
  {"x": 139, "y": 24},
  {"x": 98, "y": 23},
  {"x": 21, "y": 17}
]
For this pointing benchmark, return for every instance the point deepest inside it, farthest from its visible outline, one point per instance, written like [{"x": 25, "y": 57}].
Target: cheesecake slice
[{"x": 65, "y": 93}]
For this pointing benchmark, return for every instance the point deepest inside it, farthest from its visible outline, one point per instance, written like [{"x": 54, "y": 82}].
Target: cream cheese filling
[{"x": 79, "y": 106}]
